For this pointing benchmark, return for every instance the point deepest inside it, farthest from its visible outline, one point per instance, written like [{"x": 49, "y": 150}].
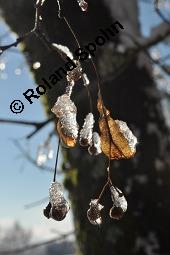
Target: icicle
[{"x": 87, "y": 130}]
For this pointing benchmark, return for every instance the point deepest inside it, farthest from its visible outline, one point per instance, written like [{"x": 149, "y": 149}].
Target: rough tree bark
[{"x": 132, "y": 97}]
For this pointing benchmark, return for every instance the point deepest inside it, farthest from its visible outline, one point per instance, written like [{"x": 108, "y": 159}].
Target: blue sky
[{"x": 21, "y": 182}]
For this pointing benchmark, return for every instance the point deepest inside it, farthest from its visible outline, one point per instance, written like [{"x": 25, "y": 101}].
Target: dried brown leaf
[
  {"x": 117, "y": 140},
  {"x": 67, "y": 140}
]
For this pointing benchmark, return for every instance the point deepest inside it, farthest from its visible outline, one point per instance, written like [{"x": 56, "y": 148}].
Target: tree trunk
[{"x": 131, "y": 96}]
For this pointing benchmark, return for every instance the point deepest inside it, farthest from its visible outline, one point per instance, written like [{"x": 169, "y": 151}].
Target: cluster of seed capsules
[
  {"x": 120, "y": 143},
  {"x": 69, "y": 133},
  {"x": 68, "y": 130},
  {"x": 116, "y": 212},
  {"x": 58, "y": 206}
]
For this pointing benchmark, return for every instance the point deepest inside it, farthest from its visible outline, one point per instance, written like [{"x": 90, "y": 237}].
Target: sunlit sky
[{"x": 21, "y": 182}]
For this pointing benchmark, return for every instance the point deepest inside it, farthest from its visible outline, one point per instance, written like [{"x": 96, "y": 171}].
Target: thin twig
[
  {"x": 55, "y": 168},
  {"x": 14, "y": 44},
  {"x": 37, "y": 245},
  {"x": 157, "y": 9},
  {"x": 36, "y": 203},
  {"x": 38, "y": 125},
  {"x": 140, "y": 47},
  {"x": 37, "y": 30},
  {"x": 61, "y": 16}
]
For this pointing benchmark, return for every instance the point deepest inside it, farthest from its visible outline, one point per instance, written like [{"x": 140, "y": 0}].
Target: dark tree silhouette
[{"x": 131, "y": 94}]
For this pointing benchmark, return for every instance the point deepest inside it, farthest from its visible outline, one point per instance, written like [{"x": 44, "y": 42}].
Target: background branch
[
  {"x": 157, "y": 9},
  {"x": 38, "y": 125},
  {"x": 37, "y": 245}
]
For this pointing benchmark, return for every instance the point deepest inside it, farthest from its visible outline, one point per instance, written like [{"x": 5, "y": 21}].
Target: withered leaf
[
  {"x": 67, "y": 139},
  {"x": 122, "y": 143}
]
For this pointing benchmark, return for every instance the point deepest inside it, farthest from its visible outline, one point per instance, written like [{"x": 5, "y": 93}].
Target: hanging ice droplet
[
  {"x": 44, "y": 152},
  {"x": 64, "y": 105},
  {"x": 41, "y": 155},
  {"x": 119, "y": 203},
  {"x": 95, "y": 146},
  {"x": 50, "y": 154},
  {"x": 58, "y": 207},
  {"x": 83, "y": 5},
  {"x": 41, "y": 159},
  {"x": 94, "y": 212},
  {"x": 87, "y": 130},
  {"x": 67, "y": 125}
]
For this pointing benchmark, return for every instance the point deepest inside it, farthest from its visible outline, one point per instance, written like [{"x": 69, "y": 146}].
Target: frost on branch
[
  {"x": 119, "y": 203},
  {"x": 94, "y": 212},
  {"x": 58, "y": 207},
  {"x": 63, "y": 51},
  {"x": 75, "y": 74}
]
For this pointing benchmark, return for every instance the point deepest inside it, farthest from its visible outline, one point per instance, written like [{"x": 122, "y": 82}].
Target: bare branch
[
  {"x": 159, "y": 33},
  {"x": 20, "y": 122},
  {"x": 37, "y": 125},
  {"x": 14, "y": 44},
  {"x": 140, "y": 47},
  {"x": 160, "y": 13},
  {"x": 36, "y": 203},
  {"x": 37, "y": 30},
  {"x": 37, "y": 245}
]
